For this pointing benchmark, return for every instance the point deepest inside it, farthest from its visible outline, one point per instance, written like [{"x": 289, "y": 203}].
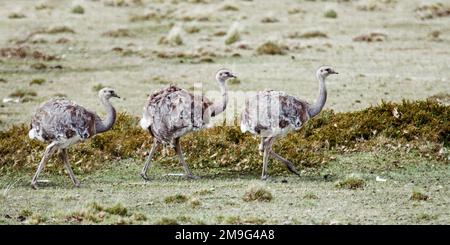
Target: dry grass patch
[
  {"x": 78, "y": 9},
  {"x": 270, "y": 48},
  {"x": 309, "y": 34},
  {"x": 26, "y": 52},
  {"x": 418, "y": 196},
  {"x": 24, "y": 95},
  {"x": 58, "y": 30},
  {"x": 122, "y": 32},
  {"x": 97, "y": 213},
  {"x": 433, "y": 10},
  {"x": 229, "y": 7},
  {"x": 418, "y": 126},
  {"x": 270, "y": 18},
  {"x": 176, "y": 199},
  {"x": 174, "y": 37},
  {"x": 257, "y": 193},
  {"x": 296, "y": 10},
  {"x": 238, "y": 220},
  {"x": 16, "y": 15},
  {"x": 167, "y": 221},
  {"x": 331, "y": 14},
  {"x": 195, "y": 203},
  {"x": 310, "y": 196},
  {"x": 234, "y": 34},
  {"x": 351, "y": 183},
  {"x": 371, "y": 37},
  {"x": 37, "y": 81},
  {"x": 191, "y": 29}
]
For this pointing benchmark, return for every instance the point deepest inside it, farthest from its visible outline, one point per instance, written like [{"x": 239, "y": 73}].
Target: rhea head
[
  {"x": 325, "y": 71},
  {"x": 107, "y": 93},
  {"x": 223, "y": 75}
]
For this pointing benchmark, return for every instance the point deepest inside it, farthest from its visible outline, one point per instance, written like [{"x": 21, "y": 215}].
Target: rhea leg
[
  {"x": 288, "y": 163},
  {"x": 149, "y": 161},
  {"x": 49, "y": 150},
  {"x": 65, "y": 159},
  {"x": 181, "y": 158},
  {"x": 265, "y": 175},
  {"x": 261, "y": 145}
]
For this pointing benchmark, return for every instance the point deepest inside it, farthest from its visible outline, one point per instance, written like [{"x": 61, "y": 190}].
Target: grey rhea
[
  {"x": 62, "y": 123},
  {"x": 173, "y": 112},
  {"x": 272, "y": 114}
]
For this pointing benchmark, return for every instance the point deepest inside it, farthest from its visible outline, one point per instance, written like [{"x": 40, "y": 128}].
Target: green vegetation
[
  {"x": 78, "y": 9},
  {"x": 420, "y": 127},
  {"x": 233, "y": 35},
  {"x": 418, "y": 196},
  {"x": 330, "y": 14},
  {"x": 16, "y": 15},
  {"x": 23, "y": 94},
  {"x": 257, "y": 193},
  {"x": 97, "y": 87},
  {"x": 178, "y": 198},
  {"x": 37, "y": 81},
  {"x": 270, "y": 48},
  {"x": 351, "y": 183}
]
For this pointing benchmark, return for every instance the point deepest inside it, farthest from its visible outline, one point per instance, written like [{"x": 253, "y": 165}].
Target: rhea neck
[
  {"x": 317, "y": 107},
  {"x": 219, "y": 107},
  {"x": 106, "y": 124}
]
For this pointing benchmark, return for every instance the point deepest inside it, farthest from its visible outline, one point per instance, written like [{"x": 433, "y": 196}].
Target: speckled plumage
[
  {"x": 270, "y": 113},
  {"x": 60, "y": 120},
  {"x": 173, "y": 112},
  {"x": 62, "y": 123}
]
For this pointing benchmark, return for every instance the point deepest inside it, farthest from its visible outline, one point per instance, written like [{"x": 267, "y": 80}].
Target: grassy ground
[
  {"x": 72, "y": 52},
  {"x": 314, "y": 198},
  {"x": 408, "y": 64}
]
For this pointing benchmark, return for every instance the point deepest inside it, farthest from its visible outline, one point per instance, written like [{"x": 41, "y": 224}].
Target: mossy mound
[{"x": 411, "y": 124}]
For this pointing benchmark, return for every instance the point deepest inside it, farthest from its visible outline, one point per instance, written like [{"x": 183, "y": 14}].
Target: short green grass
[{"x": 116, "y": 194}]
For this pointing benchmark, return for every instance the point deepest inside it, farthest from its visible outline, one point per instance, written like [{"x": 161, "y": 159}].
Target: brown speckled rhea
[
  {"x": 62, "y": 123},
  {"x": 272, "y": 114},
  {"x": 173, "y": 112}
]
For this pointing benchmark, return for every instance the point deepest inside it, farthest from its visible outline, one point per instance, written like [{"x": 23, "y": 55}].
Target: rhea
[
  {"x": 62, "y": 123},
  {"x": 172, "y": 112},
  {"x": 272, "y": 114}
]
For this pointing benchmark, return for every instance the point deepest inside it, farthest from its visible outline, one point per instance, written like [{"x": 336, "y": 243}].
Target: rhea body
[
  {"x": 173, "y": 112},
  {"x": 62, "y": 123},
  {"x": 272, "y": 114}
]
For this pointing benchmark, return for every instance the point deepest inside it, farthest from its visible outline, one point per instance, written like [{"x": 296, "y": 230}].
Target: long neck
[
  {"x": 316, "y": 108},
  {"x": 220, "y": 106},
  {"x": 108, "y": 122}
]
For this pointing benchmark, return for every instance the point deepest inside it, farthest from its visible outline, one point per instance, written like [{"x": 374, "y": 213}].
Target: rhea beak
[
  {"x": 233, "y": 76},
  {"x": 115, "y": 95},
  {"x": 334, "y": 72}
]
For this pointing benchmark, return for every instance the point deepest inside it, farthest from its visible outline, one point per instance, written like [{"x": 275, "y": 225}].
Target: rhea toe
[
  {"x": 173, "y": 112},
  {"x": 62, "y": 123},
  {"x": 272, "y": 114}
]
